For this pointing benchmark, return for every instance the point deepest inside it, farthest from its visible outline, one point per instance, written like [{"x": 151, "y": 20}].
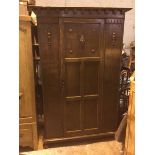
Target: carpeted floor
[{"x": 97, "y": 148}]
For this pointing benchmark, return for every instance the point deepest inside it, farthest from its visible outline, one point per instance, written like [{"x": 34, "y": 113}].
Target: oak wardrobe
[{"x": 80, "y": 51}]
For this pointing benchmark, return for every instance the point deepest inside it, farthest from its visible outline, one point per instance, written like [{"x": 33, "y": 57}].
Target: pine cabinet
[
  {"x": 27, "y": 112},
  {"x": 130, "y": 130}
]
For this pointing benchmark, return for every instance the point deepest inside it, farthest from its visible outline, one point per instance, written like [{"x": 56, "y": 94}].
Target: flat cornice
[
  {"x": 34, "y": 7},
  {"x": 78, "y": 12}
]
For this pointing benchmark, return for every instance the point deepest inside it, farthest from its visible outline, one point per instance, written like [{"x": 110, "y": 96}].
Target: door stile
[
  {"x": 82, "y": 93},
  {"x": 102, "y": 45},
  {"x": 62, "y": 70},
  {"x": 100, "y": 89}
]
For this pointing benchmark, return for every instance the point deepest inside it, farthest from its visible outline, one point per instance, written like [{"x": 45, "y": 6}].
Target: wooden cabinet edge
[
  {"x": 35, "y": 136},
  {"x": 29, "y": 122},
  {"x": 33, "y": 128},
  {"x": 25, "y": 18}
]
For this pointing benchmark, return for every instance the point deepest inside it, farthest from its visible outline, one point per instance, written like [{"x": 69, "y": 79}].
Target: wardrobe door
[
  {"x": 49, "y": 52},
  {"x": 81, "y": 75}
]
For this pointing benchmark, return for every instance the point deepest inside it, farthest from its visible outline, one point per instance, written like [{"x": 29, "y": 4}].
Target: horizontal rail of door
[
  {"x": 94, "y": 96},
  {"x": 82, "y": 59},
  {"x": 73, "y": 98}
]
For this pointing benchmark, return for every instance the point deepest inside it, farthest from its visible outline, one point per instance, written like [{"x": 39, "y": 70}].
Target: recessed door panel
[
  {"x": 91, "y": 77},
  {"x": 71, "y": 40},
  {"x": 91, "y": 36},
  {"x": 90, "y": 114},
  {"x": 49, "y": 43},
  {"x": 72, "y": 116},
  {"x": 72, "y": 72}
]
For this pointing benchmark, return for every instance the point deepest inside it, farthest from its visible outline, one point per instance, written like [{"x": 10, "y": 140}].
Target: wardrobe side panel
[
  {"x": 113, "y": 46},
  {"x": 50, "y": 67}
]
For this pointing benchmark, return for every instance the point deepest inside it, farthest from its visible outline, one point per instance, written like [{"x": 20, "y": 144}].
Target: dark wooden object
[
  {"x": 124, "y": 91},
  {"x": 37, "y": 73},
  {"x": 80, "y": 50},
  {"x": 132, "y": 58}
]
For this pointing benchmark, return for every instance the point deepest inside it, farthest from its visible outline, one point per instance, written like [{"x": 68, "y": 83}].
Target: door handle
[{"x": 82, "y": 41}]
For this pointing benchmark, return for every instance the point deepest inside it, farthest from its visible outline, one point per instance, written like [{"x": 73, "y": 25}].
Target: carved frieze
[
  {"x": 79, "y": 12},
  {"x": 114, "y": 21}
]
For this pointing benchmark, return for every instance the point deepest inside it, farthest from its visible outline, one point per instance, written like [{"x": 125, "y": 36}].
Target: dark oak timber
[{"x": 80, "y": 51}]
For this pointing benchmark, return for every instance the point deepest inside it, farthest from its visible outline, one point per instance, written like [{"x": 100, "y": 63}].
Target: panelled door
[{"x": 81, "y": 75}]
